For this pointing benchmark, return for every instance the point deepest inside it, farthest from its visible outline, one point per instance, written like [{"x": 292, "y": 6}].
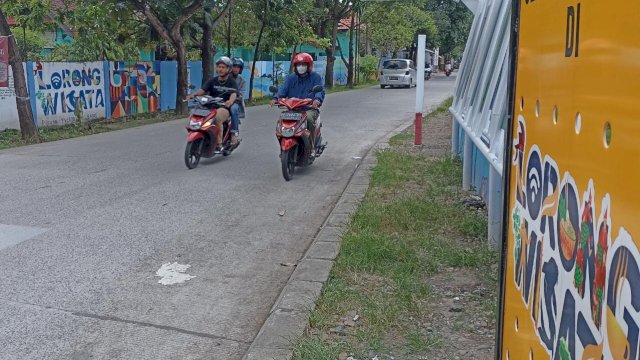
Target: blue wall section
[
  {"x": 195, "y": 73},
  {"x": 31, "y": 88},
  {"x": 168, "y": 85},
  {"x": 480, "y": 166}
]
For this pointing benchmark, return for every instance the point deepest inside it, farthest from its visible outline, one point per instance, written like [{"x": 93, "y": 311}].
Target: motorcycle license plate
[
  {"x": 200, "y": 112},
  {"x": 290, "y": 115}
]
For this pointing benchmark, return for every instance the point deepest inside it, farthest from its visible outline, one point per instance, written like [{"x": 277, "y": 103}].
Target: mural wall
[
  {"x": 61, "y": 86},
  {"x": 117, "y": 89},
  {"x": 134, "y": 88}
]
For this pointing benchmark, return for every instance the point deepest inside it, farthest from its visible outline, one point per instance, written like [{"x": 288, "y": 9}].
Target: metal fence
[{"x": 480, "y": 106}]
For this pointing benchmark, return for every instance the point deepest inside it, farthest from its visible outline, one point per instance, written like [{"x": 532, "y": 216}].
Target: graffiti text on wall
[
  {"x": 581, "y": 288},
  {"x": 61, "y": 85}
]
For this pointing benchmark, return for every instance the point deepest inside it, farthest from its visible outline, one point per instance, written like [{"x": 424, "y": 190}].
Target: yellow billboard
[{"x": 571, "y": 273}]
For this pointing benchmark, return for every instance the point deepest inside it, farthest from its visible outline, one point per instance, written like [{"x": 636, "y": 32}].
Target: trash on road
[{"x": 173, "y": 273}]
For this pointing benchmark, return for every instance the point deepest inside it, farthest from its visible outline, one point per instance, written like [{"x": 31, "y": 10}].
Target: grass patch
[
  {"x": 11, "y": 138},
  {"x": 410, "y": 226},
  {"x": 407, "y": 136},
  {"x": 264, "y": 100},
  {"x": 362, "y": 85},
  {"x": 444, "y": 107},
  {"x": 309, "y": 348}
]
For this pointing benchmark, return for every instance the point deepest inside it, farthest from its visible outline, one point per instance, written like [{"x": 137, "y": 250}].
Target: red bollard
[{"x": 418, "y": 129}]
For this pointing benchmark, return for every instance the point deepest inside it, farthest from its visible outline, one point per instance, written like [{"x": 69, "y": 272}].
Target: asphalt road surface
[{"x": 86, "y": 223}]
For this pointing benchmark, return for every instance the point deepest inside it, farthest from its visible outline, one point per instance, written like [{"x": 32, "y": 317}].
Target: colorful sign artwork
[
  {"x": 4, "y": 61},
  {"x": 61, "y": 86},
  {"x": 571, "y": 281},
  {"x": 134, "y": 88}
]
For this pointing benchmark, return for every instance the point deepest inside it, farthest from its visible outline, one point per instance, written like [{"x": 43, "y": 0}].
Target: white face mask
[{"x": 301, "y": 69}]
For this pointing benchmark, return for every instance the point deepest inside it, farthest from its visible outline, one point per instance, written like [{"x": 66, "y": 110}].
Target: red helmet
[{"x": 303, "y": 58}]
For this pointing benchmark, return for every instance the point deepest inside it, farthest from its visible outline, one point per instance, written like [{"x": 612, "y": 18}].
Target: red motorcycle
[
  {"x": 203, "y": 131},
  {"x": 293, "y": 135}
]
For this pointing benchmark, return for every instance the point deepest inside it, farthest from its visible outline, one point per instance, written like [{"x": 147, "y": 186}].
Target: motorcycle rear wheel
[
  {"x": 287, "y": 158},
  {"x": 192, "y": 154}
]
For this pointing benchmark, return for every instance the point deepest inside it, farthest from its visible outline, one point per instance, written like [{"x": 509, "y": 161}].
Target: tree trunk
[
  {"x": 294, "y": 52},
  {"x": 229, "y": 36},
  {"x": 175, "y": 38},
  {"x": 256, "y": 52},
  {"x": 352, "y": 65},
  {"x": 207, "y": 51},
  {"x": 331, "y": 54},
  {"x": 181, "y": 106},
  {"x": 207, "y": 47},
  {"x": 25, "y": 114}
]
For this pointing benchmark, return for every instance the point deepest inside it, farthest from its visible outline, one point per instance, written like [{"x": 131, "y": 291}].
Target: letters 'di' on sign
[{"x": 571, "y": 264}]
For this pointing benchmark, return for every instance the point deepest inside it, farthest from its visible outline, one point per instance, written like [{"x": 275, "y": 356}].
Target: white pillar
[
  {"x": 454, "y": 136},
  {"x": 467, "y": 163}
]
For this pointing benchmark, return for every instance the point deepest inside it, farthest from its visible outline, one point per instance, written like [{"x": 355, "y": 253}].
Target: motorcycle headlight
[
  {"x": 287, "y": 131},
  {"x": 195, "y": 125}
]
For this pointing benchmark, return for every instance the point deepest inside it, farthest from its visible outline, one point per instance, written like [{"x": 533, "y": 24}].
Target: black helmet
[
  {"x": 236, "y": 61},
  {"x": 224, "y": 60}
]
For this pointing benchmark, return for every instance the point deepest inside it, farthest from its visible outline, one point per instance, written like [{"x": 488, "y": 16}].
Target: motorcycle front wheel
[
  {"x": 287, "y": 158},
  {"x": 192, "y": 154}
]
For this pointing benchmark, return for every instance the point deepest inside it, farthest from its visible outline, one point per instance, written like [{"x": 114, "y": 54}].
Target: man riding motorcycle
[
  {"x": 299, "y": 85},
  {"x": 224, "y": 79},
  {"x": 237, "y": 110}
]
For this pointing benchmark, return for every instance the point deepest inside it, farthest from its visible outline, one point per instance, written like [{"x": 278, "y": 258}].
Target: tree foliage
[
  {"x": 453, "y": 21},
  {"x": 30, "y": 44},
  {"x": 394, "y": 26},
  {"x": 101, "y": 31}
]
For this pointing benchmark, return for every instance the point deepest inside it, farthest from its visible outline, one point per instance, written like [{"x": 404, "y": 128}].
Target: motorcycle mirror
[
  {"x": 273, "y": 89},
  {"x": 317, "y": 89}
]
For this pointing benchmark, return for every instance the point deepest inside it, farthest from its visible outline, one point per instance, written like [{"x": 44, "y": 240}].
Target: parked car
[{"x": 398, "y": 72}]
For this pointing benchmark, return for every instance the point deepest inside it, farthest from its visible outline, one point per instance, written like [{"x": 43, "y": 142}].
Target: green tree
[
  {"x": 101, "y": 31},
  {"x": 167, "y": 18},
  {"x": 453, "y": 21},
  {"x": 329, "y": 13},
  {"x": 30, "y": 14},
  {"x": 201, "y": 32},
  {"x": 394, "y": 26},
  {"x": 30, "y": 43}
]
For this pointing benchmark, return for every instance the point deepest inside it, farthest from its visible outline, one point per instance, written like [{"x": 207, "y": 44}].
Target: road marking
[
  {"x": 173, "y": 273},
  {"x": 12, "y": 234}
]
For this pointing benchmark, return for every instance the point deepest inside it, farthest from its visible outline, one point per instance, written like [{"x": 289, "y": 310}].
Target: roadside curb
[{"x": 289, "y": 315}]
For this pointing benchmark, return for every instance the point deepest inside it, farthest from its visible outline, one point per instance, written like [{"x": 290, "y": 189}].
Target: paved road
[{"x": 86, "y": 223}]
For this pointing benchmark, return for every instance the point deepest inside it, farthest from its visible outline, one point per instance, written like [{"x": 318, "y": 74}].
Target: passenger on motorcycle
[
  {"x": 299, "y": 85},
  {"x": 223, "y": 68},
  {"x": 237, "y": 110}
]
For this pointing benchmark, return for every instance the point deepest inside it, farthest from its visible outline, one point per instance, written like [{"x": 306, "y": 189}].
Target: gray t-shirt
[{"x": 241, "y": 86}]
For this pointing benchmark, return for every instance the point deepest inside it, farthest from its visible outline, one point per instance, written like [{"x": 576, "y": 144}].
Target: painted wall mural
[
  {"x": 134, "y": 88},
  {"x": 60, "y": 86}
]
